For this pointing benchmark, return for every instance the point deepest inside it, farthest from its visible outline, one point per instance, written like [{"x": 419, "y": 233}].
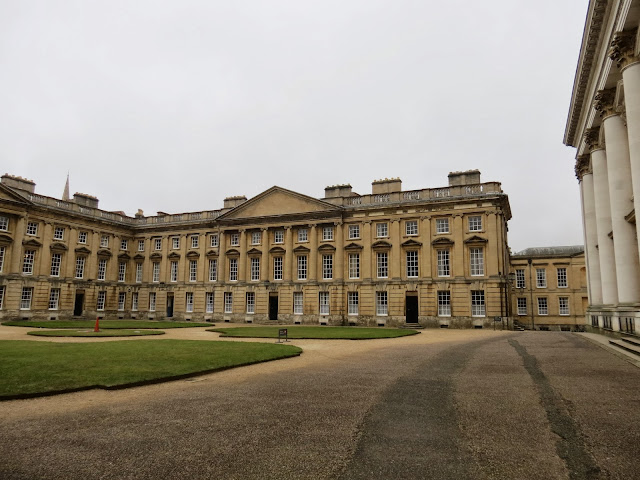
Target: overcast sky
[{"x": 174, "y": 105}]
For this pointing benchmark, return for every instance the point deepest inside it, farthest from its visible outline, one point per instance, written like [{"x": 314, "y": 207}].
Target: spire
[{"x": 65, "y": 194}]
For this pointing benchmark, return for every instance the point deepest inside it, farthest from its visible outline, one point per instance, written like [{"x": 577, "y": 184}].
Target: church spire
[{"x": 65, "y": 194}]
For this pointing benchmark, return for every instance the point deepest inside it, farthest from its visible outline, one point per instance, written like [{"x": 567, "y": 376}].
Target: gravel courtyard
[{"x": 442, "y": 404}]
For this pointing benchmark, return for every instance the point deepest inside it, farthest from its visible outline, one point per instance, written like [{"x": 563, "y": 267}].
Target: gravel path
[{"x": 441, "y": 404}]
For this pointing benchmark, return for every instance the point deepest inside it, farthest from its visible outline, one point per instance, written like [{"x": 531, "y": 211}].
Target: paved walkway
[{"x": 442, "y": 404}]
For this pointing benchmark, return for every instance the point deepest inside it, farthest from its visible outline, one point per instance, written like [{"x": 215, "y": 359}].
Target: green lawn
[
  {"x": 110, "y": 332},
  {"x": 135, "y": 324},
  {"x": 30, "y": 368},
  {"x": 346, "y": 333}
]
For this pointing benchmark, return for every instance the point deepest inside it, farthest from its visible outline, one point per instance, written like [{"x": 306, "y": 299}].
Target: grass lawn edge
[
  {"x": 142, "y": 383},
  {"x": 106, "y": 333},
  {"x": 220, "y": 330}
]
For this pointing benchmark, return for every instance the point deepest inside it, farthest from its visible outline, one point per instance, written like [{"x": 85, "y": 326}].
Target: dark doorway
[
  {"x": 78, "y": 304},
  {"x": 273, "y": 307},
  {"x": 169, "y": 305},
  {"x": 412, "y": 309}
]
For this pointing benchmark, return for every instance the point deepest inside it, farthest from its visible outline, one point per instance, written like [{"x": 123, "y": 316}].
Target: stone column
[
  {"x": 622, "y": 52},
  {"x": 242, "y": 261},
  {"x": 594, "y": 282},
  {"x": 366, "y": 262},
  {"x": 289, "y": 267},
  {"x": 603, "y": 219},
  {"x": 339, "y": 267},
  {"x": 620, "y": 196},
  {"x": 313, "y": 254},
  {"x": 396, "y": 261},
  {"x": 223, "y": 274},
  {"x": 265, "y": 263}
]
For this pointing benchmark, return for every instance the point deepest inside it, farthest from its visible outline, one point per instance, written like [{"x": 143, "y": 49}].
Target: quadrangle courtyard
[{"x": 442, "y": 404}]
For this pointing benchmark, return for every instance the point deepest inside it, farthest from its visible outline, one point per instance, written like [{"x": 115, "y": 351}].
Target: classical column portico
[
  {"x": 603, "y": 219},
  {"x": 620, "y": 195},
  {"x": 622, "y": 52},
  {"x": 594, "y": 280}
]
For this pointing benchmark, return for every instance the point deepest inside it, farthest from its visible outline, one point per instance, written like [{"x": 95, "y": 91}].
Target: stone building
[
  {"x": 435, "y": 256},
  {"x": 549, "y": 288},
  {"x": 604, "y": 126}
]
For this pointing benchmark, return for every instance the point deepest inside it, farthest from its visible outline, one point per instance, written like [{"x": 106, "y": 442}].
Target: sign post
[{"x": 282, "y": 333}]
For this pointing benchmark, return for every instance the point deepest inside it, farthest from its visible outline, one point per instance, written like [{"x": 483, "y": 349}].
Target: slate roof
[{"x": 564, "y": 251}]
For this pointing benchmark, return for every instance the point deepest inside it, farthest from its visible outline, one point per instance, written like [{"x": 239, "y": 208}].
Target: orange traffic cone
[{"x": 97, "y": 327}]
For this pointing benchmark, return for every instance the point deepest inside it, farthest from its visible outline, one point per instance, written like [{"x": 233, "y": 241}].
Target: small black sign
[{"x": 282, "y": 333}]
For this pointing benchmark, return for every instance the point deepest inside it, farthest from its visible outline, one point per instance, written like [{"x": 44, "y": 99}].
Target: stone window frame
[
  {"x": 411, "y": 228},
  {"x": 478, "y": 303},
  {"x": 382, "y": 303},
  {"x": 101, "y": 300},
  {"x": 188, "y": 302},
  {"x": 522, "y": 306},
  {"x": 324, "y": 303},
  {"x": 353, "y": 303},
  {"x": 444, "y": 303},
  {"x": 543, "y": 306},
  {"x": 443, "y": 262},
  {"x": 32, "y": 229},
  {"x": 413, "y": 265},
  {"x": 56, "y": 264},
  {"x": 474, "y": 223},
  {"x": 382, "y": 230},
  {"x": 442, "y": 226},
  {"x": 54, "y": 299},
  {"x": 251, "y": 303}
]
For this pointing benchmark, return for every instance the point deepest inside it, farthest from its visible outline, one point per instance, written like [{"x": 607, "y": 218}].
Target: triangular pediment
[
  {"x": 59, "y": 247},
  {"x": 9, "y": 195},
  {"x": 83, "y": 250},
  {"x": 279, "y": 201},
  {"x": 381, "y": 244},
  {"x": 353, "y": 246},
  {"x": 476, "y": 239},
  {"x": 442, "y": 241},
  {"x": 5, "y": 239},
  {"x": 411, "y": 243},
  {"x": 32, "y": 242}
]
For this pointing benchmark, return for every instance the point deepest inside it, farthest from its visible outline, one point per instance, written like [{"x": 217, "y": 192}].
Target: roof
[{"x": 564, "y": 251}]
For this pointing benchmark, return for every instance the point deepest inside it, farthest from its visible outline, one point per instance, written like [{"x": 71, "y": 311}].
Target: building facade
[
  {"x": 435, "y": 257},
  {"x": 549, "y": 288},
  {"x": 604, "y": 126}
]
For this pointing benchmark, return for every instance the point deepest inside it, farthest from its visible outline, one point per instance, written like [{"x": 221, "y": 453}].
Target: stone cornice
[
  {"x": 622, "y": 49},
  {"x": 588, "y": 51}
]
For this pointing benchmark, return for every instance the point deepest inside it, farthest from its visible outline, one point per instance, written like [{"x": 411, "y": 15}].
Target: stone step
[
  {"x": 629, "y": 347},
  {"x": 415, "y": 326},
  {"x": 632, "y": 340}
]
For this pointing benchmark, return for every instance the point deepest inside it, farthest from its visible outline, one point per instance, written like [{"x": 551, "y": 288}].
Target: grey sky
[{"x": 174, "y": 105}]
